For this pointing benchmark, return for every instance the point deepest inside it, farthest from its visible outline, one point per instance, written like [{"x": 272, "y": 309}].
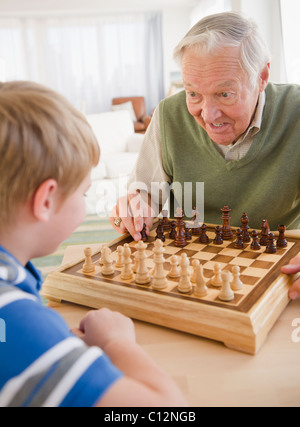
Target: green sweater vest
[{"x": 265, "y": 183}]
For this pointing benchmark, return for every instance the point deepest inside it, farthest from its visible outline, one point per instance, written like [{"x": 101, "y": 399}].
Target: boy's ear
[{"x": 45, "y": 200}]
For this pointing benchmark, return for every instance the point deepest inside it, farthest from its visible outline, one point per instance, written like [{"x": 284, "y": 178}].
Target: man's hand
[
  {"x": 134, "y": 212},
  {"x": 292, "y": 268}
]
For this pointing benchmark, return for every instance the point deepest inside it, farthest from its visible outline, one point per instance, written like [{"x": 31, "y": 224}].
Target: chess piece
[
  {"x": 203, "y": 237},
  {"x": 265, "y": 230},
  {"x": 227, "y": 233},
  {"x": 172, "y": 233},
  {"x": 255, "y": 245},
  {"x": 88, "y": 266},
  {"x": 196, "y": 229},
  {"x": 271, "y": 248},
  {"x": 236, "y": 283},
  {"x": 159, "y": 280},
  {"x": 120, "y": 259},
  {"x": 218, "y": 238},
  {"x": 127, "y": 273},
  {"x": 245, "y": 227},
  {"x": 174, "y": 272},
  {"x": 184, "y": 285},
  {"x": 142, "y": 276},
  {"x": 239, "y": 244},
  {"x": 107, "y": 267},
  {"x": 201, "y": 288},
  {"x": 180, "y": 240},
  {"x": 165, "y": 221},
  {"x": 281, "y": 242},
  {"x": 226, "y": 293},
  {"x": 144, "y": 234},
  {"x": 102, "y": 251},
  {"x": 160, "y": 231},
  {"x": 195, "y": 262},
  {"x": 217, "y": 278},
  {"x": 187, "y": 230}
]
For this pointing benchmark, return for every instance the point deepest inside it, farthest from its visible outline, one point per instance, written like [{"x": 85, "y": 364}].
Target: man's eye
[
  {"x": 192, "y": 94},
  {"x": 226, "y": 94}
]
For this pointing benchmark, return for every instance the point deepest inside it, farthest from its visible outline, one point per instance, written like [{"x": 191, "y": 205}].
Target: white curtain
[
  {"x": 88, "y": 59},
  {"x": 290, "y": 12}
]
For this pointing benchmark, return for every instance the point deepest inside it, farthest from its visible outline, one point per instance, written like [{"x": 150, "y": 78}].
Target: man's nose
[{"x": 210, "y": 111}]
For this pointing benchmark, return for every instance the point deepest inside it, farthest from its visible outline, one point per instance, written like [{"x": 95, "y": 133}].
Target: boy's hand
[
  {"x": 292, "y": 268},
  {"x": 100, "y": 327},
  {"x": 131, "y": 213}
]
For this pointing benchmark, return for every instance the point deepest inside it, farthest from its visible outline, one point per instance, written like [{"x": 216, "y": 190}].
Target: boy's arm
[{"x": 144, "y": 383}]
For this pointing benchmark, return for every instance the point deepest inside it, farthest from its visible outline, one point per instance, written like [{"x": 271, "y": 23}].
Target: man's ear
[
  {"x": 45, "y": 200},
  {"x": 264, "y": 78}
]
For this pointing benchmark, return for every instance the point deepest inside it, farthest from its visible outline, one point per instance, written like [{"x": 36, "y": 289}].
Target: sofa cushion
[
  {"x": 112, "y": 130},
  {"x": 125, "y": 106},
  {"x": 99, "y": 172},
  {"x": 118, "y": 164}
]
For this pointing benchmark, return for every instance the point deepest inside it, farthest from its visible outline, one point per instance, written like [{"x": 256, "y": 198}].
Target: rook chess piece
[
  {"x": 88, "y": 266},
  {"x": 226, "y": 230},
  {"x": 281, "y": 242}
]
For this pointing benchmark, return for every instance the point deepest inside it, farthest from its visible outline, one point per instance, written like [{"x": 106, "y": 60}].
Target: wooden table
[{"x": 210, "y": 374}]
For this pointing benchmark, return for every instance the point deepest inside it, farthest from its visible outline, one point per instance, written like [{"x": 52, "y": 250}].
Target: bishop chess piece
[
  {"x": 142, "y": 276},
  {"x": 159, "y": 280},
  {"x": 200, "y": 288},
  {"x": 227, "y": 233},
  {"x": 265, "y": 230},
  {"x": 184, "y": 285},
  {"x": 120, "y": 259},
  {"x": 281, "y": 242},
  {"x": 127, "y": 273},
  {"x": 88, "y": 266},
  {"x": 245, "y": 228}
]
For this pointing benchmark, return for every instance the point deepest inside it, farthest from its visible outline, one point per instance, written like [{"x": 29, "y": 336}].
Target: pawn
[
  {"x": 236, "y": 283},
  {"x": 217, "y": 279},
  {"x": 88, "y": 266},
  {"x": 226, "y": 293},
  {"x": 281, "y": 242},
  {"x": 172, "y": 233},
  {"x": 255, "y": 245},
  {"x": 174, "y": 272},
  {"x": 160, "y": 231},
  {"x": 239, "y": 244},
  {"x": 188, "y": 234},
  {"x": 218, "y": 239},
  {"x": 144, "y": 234},
  {"x": 271, "y": 248},
  {"x": 184, "y": 285},
  {"x": 201, "y": 288},
  {"x": 203, "y": 237}
]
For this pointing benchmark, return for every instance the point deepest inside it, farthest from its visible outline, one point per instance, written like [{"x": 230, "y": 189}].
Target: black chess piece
[
  {"x": 218, "y": 238},
  {"x": 255, "y": 246},
  {"x": 271, "y": 248},
  {"x": 203, "y": 237},
  {"x": 281, "y": 242},
  {"x": 144, "y": 234},
  {"x": 160, "y": 231},
  {"x": 239, "y": 244},
  {"x": 172, "y": 233}
]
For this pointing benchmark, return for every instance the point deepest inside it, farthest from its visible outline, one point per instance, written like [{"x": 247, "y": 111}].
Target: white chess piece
[
  {"x": 142, "y": 276},
  {"x": 88, "y": 266},
  {"x": 217, "y": 279},
  {"x": 184, "y": 285},
  {"x": 201, "y": 288},
  {"x": 159, "y": 280},
  {"x": 120, "y": 259},
  {"x": 107, "y": 267},
  {"x": 174, "y": 272},
  {"x": 236, "y": 283},
  {"x": 226, "y": 293},
  {"x": 127, "y": 273}
]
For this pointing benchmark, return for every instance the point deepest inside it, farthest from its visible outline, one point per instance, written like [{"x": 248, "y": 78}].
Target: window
[{"x": 290, "y": 12}]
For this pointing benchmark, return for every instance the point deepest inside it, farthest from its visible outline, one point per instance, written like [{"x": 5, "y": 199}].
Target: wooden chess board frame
[{"x": 242, "y": 324}]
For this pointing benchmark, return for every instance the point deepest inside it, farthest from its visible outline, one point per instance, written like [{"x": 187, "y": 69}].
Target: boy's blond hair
[{"x": 42, "y": 136}]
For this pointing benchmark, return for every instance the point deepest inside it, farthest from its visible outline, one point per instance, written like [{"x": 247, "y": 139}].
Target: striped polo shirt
[{"x": 42, "y": 362}]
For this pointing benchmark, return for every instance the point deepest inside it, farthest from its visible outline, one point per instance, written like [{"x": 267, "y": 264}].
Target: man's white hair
[{"x": 215, "y": 32}]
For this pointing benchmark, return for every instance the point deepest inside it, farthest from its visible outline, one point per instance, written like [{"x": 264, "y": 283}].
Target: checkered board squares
[{"x": 254, "y": 267}]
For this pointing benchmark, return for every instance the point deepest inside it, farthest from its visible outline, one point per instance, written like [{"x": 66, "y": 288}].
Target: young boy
[{"x": 47, "y": 150}]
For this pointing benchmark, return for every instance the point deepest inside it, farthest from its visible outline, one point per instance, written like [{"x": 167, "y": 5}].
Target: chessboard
[{"x": 222, "y": 288}]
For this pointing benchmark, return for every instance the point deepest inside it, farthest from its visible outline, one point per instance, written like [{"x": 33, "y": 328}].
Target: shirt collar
[
  {"x": 27, "y": 278},
  {"x": 255, "y": 125}
]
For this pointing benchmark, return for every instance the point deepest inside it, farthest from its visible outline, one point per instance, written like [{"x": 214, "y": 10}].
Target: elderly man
[{"x": 230, "y": 129}]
